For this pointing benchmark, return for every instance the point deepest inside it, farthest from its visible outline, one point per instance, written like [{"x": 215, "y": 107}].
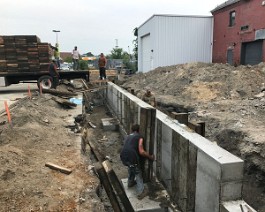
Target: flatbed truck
[{"x": 43, "y": 79}]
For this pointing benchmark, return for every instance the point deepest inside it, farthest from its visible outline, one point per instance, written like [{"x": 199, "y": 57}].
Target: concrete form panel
[
  {"x": 166, "y": 155},
  {"x": 158, "y": 149},
  {"x": 207, "y": 184},
  {"x": 179, "y": 170},
  {"x": 191, "y": 177},
  {"x": 122, "y": 108},
  {"x": 212, "y": 174},
  {"x": 155, "y": 148},
  {"x": 231, "y": 191}
]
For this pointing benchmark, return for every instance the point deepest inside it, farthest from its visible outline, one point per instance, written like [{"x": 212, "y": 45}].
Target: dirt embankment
[
  {"x": 231, "y": 100},
  {"x": 39, "y": 134}
]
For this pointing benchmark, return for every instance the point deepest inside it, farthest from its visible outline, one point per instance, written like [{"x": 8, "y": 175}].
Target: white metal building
[{"x": 165, "y": 40}]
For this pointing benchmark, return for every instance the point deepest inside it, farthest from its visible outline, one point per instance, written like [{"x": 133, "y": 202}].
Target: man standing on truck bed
[
  {"x": 57, "y": 55},
  {"x": 75, "y": 56},
  {"x": 54, "y": 74},
  {"x": 102, "y": 62}
]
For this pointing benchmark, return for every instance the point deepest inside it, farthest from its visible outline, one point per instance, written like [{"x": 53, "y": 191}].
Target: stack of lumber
[{"x": 24, "y": 53}]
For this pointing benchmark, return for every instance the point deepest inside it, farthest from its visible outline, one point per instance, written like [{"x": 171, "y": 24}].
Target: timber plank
[
  {"x": 58, "y": 168},
  {"x": 117, "y": 186},
  {"x": 108, "y": 188}
]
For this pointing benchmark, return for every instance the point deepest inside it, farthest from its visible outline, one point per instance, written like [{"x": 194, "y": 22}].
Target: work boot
[
  {"x": 143, "y": 194},
  {"x": 131, "y": 184}
]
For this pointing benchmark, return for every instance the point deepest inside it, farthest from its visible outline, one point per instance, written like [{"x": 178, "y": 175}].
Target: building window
[
  {"x": 243, "y": 28},
  {"x": 232, "y": 18}
]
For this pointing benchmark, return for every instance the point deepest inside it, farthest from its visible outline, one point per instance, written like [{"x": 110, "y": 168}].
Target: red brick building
[{"x": 239, "y": 32}]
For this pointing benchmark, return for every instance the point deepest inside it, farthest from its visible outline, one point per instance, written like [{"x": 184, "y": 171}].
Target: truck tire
[{"x": 45, "y": 82}]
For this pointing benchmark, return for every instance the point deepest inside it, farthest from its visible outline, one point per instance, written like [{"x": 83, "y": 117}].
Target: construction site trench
[{"x": 45, "y": 129}]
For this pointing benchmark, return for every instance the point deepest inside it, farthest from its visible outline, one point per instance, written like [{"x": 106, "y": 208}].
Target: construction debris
[
  {"x": 110, "y": 124},
  {"x": 64, "y": 102},
  {"x": 92, "y": 125},
  {"x": 59, "y": 93},
  {"x": 58, "y": 168},
  {"x": 39, "y": 136}
]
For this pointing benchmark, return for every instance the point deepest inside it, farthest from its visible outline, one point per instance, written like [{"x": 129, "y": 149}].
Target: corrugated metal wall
[
  {"x": 147, "y": 30},
  {"x": 176, "y": 40}
]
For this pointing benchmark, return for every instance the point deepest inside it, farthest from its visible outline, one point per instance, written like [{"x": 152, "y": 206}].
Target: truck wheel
[{"x": 45, "y": 82}]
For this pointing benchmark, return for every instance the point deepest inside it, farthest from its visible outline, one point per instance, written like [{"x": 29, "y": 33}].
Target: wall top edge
[{"x": 131, "y": 96}]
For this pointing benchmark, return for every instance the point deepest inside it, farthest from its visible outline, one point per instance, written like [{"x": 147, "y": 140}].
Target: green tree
[
  {"x": 83, "y": 65},
  {"x": 68, "y": 60},
  {"x": 135, "y": 43},
  {"x": 116, "y": 53}
]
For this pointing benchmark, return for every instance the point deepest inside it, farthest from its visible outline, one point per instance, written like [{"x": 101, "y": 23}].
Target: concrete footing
[
  {"x": 155, "y": 201},
  {"x": 236, "y": 206},
  {"x": 110, "y": 124}
]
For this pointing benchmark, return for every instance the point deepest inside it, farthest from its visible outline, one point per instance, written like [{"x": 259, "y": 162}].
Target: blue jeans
[
  {"x": 76, "y": 64},
  {"x": 102, "y": 72},
  {"x": 136, "y": 174}
]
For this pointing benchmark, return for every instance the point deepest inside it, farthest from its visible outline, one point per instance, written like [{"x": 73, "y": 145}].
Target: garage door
[
  {"x": 251, "y": 53},
  {"x": 146, "y": 53}
]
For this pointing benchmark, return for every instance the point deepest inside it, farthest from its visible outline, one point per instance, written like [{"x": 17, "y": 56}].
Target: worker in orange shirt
[{"x": 102, "y": 62}]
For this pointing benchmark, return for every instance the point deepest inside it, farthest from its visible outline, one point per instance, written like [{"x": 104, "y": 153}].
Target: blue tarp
[{"x": 77, "y": 101}]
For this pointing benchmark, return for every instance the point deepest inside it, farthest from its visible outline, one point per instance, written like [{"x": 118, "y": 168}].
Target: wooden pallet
[{"x": 24, "y": 53}]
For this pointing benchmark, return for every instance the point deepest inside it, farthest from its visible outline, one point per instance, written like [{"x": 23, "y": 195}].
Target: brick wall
[{"x": 248, "y": 12}]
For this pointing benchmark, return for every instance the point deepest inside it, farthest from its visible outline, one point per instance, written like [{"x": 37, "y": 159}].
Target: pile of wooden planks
[{"x": 24, "y": 53}]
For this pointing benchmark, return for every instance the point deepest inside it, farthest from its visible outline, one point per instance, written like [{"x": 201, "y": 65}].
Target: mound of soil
[
  {"x": 38, "y": 135},
  {"x": 231, "y": 100}
]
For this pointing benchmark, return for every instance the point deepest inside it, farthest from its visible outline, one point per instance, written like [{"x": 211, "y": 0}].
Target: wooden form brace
[
  {"x": 112, "y": 177},
  {"x": 183, "y": 172},
  {"x": 183, "y": 119},
  {"x": 147, "y": 130}
]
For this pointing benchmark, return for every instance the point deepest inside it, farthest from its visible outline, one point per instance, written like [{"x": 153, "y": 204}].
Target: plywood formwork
[{"x": 198, "y": 174}]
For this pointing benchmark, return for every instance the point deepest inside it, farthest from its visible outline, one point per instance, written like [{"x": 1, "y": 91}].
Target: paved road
[{"x": 12, "y": 92}]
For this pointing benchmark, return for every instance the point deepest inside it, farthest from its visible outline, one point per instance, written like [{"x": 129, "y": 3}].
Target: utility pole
[
  {"x": 129, "y": 52},
  {"x": 57, "y": 52},
  {"x": 56, "y": 32},
  {"x": 117, "y": 45}
]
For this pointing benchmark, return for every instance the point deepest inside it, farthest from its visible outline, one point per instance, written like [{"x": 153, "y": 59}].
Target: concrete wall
[
  {"x": 2, "y": 81},
  {"x": 198, "y": 174}
]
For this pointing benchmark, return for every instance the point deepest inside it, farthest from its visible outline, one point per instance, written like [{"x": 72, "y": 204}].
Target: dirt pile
[
  {"x": 202, "y": 82},
  {"x": 41, "y": 133},
  {"x": 231, "y": 100}
]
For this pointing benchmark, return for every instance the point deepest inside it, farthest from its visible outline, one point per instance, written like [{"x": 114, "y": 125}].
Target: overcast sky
[{"x": 92, "y": 25}]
